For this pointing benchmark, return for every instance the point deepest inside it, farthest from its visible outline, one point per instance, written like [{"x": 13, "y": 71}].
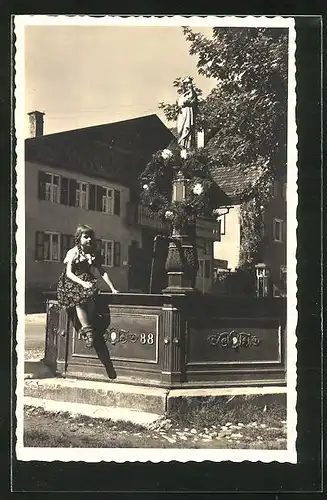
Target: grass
[
  {"x": 230, "y": 410},
  {"x": 44, "y": 429}
]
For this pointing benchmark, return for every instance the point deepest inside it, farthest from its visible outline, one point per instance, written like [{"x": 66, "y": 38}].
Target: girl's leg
[
  {"x": 82, "y": 314},
  {"x": 91, "y": 310}
]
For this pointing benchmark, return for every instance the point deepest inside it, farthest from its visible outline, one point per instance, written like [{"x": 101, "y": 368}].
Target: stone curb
[
  {"x": 93, "y": 411},
  {"x": 36, "y": 369}
]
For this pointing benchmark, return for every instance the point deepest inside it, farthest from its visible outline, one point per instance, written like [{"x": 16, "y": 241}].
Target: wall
[
  {"x": 44, "y": 215},
  {"x": 229, "y": 247},
  {"x": 204, "y": 249},
  {"x": 274, "y": 252}
]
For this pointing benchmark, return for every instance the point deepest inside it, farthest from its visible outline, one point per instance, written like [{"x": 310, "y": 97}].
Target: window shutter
[
  {"x": 116, "y": 202},
  {"x": 92, "y": 188},
  {"x": 64, "y": 191},
  {"x": 116, "y": 254},
  {"x": 41, "y": 185},
  {"x": 72, "y": 192},
  {"x": 100, "y": 191},
  {"x": 65, "y": 240},
  {"x": 39, "y": 248},
  {"x": 71, "y": 241},
  {"x": 218, "y": 230},
  {"x": 98, "y": 245},
  {"x": 284, "y": 231},
  {"x": 99, "y": 251}
]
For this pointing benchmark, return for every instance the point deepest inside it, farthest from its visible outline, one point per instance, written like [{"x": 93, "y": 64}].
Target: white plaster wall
[
  {"x": 44, "y": 215},
  {"x": 229, "y": 247}
]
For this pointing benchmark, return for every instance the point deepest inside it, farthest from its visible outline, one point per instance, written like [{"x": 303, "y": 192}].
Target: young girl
[{"x": 77, "y": 286}]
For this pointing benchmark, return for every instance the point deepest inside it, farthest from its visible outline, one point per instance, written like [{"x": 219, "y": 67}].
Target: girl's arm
[
  {"x": 99, "y": 271},
  {"x": 75, "y": 278}
]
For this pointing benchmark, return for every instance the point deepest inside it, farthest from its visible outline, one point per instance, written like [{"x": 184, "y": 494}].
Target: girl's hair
[{"x": 83, "y": 229}]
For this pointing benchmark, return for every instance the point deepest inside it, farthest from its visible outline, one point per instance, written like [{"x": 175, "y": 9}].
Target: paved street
[{"x": 34, "y": 335}]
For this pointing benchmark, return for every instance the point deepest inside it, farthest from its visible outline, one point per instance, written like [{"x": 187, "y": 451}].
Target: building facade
[
  {"x": 90, "y": 176},
  {"x": 228, "y": 246},
  {"x": 85, "y": 176}
]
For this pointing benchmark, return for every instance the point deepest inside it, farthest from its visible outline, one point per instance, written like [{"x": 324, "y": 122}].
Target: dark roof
[
  {"x": 115, "y": 151},
  {"x": 231, "y": 179},
  {"x": 173, "y": 130}
]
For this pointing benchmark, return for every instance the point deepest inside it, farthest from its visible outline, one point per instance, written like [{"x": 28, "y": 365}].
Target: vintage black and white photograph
[{"x": 156, "y": 238}]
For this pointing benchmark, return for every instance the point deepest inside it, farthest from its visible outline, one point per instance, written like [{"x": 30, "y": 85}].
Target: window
[
  {"x": 110, "y": 252},
  {"x": 107, "y": 201},
  {"x": 222, "y": 220},
  {"x": 51, "y": 243},
  {"x": 67, "y": 241},
  {"x": 107, "y": 251},
  {"x": 52, "y": 188},
  {"x": 278, "y": 230},
  {"x": 217, "y": 230},
  {"x": 283, "y": 279},
  {"x": 82, "y": 195},
  {"x": 51, "y": 246}
]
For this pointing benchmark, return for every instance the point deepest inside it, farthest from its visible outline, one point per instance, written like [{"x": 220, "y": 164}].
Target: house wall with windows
[
  {"x": 228, "y": 247},
  {"x": 56, "y": 201},
  {"x": 275, "y": 231}
]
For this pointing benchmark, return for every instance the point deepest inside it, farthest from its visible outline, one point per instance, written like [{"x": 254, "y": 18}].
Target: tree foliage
[{"x": 244, "y": 116}]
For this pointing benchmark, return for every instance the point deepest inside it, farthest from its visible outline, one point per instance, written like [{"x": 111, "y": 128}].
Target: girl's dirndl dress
[{"x": 69, "y": 293}]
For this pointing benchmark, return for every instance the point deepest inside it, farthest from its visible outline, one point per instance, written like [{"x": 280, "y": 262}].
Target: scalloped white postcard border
[{"x": 140, "y": 454}]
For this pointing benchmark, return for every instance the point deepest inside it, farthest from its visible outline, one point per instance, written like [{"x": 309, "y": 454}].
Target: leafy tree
[{"x": 244, "y": 116}]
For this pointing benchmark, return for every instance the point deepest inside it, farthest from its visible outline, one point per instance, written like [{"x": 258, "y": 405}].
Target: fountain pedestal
[
  {"x": 174, "y": 341},
  {"x": 182, "y": 261}
]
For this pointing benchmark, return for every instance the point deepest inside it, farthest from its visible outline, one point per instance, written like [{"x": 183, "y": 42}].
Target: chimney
[{"x": 36, "y": 123}]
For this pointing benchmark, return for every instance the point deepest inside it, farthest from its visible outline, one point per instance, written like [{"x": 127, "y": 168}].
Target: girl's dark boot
[{"x": 88, "y": 335}]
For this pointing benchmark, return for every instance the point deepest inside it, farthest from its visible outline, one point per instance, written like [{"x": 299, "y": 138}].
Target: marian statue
[{"x": 187, "y": 114}]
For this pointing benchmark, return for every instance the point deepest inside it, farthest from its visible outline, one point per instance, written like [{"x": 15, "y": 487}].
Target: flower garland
[{"x": 192, "y": 169}]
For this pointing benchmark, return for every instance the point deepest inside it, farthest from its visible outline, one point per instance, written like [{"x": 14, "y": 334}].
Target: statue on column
[{"x": 186, "y": 118}]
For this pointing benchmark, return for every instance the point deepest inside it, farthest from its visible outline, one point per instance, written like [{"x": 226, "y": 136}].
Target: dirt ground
[{"x": 44, "y": 429}]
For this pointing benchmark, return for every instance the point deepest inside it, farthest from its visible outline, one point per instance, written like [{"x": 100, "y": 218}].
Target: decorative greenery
[
  {"x": 192, "y": 167},
  {"x": 244, "y": 116}
]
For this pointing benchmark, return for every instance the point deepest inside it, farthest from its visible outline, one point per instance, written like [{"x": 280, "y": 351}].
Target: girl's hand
[
  {"x": 114, "y": 290},
  {"x": 86, "y": 284}
]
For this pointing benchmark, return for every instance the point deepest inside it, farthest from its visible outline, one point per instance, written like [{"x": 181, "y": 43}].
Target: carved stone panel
[
  {"x": 228, "y": 341},
  {"x": 129, "y": 337}
]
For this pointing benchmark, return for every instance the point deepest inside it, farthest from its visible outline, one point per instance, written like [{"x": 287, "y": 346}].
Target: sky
[{"x": 81, "y": 76}]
